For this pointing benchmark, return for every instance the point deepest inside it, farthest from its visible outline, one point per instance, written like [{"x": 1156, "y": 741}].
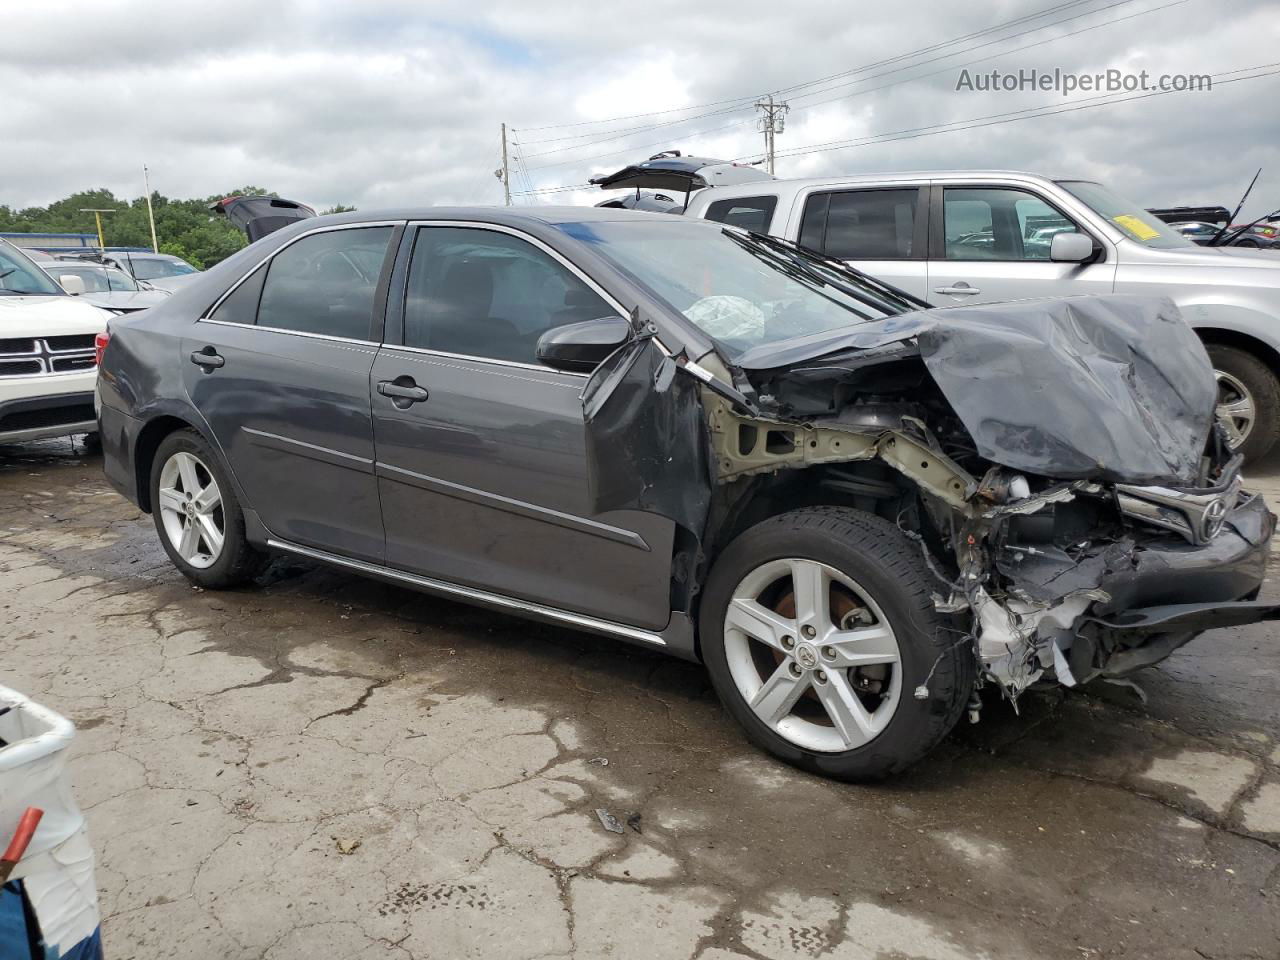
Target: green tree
[{"x": 185, "y": 228}]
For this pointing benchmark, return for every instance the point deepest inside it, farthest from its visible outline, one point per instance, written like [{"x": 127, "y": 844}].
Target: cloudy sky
[{"x": 384, "y": 102}]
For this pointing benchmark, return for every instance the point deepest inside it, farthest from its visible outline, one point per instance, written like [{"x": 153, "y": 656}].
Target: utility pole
[
  {"x": 772, "y": 123},
  {"x": 504, "y": 172},
  {"x": 97, "y": 216},
  {"x": 151, "y": 214}
]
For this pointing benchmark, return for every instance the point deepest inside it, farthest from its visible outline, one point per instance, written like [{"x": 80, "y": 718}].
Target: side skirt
[{"x": 676, "y": 639}]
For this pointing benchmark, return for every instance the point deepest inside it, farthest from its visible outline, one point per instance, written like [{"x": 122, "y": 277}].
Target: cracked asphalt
[{"x": 320, "y": 765}]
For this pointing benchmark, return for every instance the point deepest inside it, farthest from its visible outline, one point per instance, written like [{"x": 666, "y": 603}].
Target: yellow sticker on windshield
[{"x": 1135, "y": 227}]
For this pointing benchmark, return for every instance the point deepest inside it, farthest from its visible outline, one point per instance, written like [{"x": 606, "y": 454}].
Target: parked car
[
  {"x": 709, "y": 442},
  {"x": 1265, "y": 235},
  {"x": 961, "y": 237},
  {"x": 104, "y": 286},
  {"x": 1198, "y": 232},
  {"x": 161, "y": 270},
  {"x": 47, "y": 366}
]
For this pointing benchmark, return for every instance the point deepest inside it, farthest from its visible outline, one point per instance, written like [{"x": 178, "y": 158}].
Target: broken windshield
[{"x": 742, "y": 289}]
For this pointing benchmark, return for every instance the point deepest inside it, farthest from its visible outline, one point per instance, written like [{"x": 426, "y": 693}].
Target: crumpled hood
[{"x": 1109, "y": 388}]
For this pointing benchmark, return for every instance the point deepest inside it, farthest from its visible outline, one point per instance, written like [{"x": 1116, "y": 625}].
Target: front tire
[
  {"x": 821, "y": 638},
  {"x": 197, "y": 514},
  {"x": 1248, "y": 400}
]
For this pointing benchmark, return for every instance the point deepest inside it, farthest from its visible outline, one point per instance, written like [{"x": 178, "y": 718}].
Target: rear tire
[
  {"x": 197, "y": 515},
  {"x": 873, "y": 566},
  {"x": 1247, "y": 388}
]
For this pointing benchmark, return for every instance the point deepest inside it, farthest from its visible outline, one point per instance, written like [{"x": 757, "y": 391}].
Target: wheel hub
[{"x": 806, "y": 656}]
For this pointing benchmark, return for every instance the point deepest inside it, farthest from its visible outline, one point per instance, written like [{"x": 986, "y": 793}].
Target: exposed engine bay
[{"x": 1058, "y": 463}]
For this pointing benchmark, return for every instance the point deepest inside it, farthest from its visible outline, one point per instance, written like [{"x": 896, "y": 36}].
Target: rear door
[
  {"x": 992, "y": 243},
  {"x": 279, "y": 369},
  {"x": 481, "y": 451},
  {"x": 883, "y": 231}
]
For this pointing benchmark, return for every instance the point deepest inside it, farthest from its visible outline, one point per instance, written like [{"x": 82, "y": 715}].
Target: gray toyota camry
[{"x": 854, "y": 509}]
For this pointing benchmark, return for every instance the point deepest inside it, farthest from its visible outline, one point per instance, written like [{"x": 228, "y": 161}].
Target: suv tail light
[{"x": 100, "y": 344}]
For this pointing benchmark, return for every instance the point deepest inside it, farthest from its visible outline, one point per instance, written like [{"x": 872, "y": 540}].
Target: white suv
[{"x": 48, "y": 366}]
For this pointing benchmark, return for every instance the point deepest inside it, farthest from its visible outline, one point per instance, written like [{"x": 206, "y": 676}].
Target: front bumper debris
[{"x": 1123, "y": 605}]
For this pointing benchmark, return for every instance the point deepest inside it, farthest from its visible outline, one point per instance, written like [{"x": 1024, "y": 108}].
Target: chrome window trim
[
  {"x": 541, "y": 368},
  {"x": 501, "y": 601},
  {"x": 207, "y": 316},
  {"x": 373, "y": 345}
]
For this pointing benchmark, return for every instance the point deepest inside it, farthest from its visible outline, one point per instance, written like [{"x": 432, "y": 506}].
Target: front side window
[
  {"x": 325, "y": 283},
  {"x": 870, "y": 224},
  {"x": 482, "y": 293},
  {"x": 18, "y": 275},
  {"x": 998, "y": 224},
  {"x": 749, "y": 213}
]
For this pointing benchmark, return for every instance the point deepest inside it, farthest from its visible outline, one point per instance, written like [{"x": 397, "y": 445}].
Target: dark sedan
[{"x": 853, "y": 508}]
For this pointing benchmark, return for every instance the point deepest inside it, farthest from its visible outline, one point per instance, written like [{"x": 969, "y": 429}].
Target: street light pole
[
  {"x": 151, "y": 214},
  {"x": 97, "y": 217}
]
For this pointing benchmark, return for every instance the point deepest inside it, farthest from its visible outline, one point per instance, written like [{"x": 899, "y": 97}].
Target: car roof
[{"x": 548, "y": 214}]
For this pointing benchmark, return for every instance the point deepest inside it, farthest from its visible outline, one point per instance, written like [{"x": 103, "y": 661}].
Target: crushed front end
[{"x": 1057, "y": 461}]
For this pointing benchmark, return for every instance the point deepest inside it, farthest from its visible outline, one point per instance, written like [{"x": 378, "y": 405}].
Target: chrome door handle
[
  {"x": 402, "y": 391},
  {"x": 207, "y": 358},
  {"x": 961, "y": 289}
]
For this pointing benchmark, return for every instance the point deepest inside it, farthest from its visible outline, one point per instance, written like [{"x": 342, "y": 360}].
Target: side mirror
[
  {"x": 72, "y": 283},
  {"x": 1070, "y": 247},
  {"x": 580, "y": 347}
]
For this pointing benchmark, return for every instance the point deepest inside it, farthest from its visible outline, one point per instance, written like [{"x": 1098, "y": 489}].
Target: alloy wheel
[
  {"x": 813, "y": 655},
  {"x": 191, "y": 510},
  {"x": 1236, "y": 410}
]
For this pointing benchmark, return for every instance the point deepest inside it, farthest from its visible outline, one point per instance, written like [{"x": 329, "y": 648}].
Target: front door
[
  {"x": 280, "y": 372},
  {"x": 992, "y": 243},
  {"x": 481, "y": 451}
]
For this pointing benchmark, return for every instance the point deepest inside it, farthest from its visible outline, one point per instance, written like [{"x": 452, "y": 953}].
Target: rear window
[
  {"x": 862, "y": 224},
  {"x": 749, "y": 213}
]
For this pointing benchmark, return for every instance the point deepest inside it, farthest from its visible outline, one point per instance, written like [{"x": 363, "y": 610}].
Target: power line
[
  {"x": 622, "y": 135},
  {"x": 716, "y": 103},
  {"x": 970, "y": 63},
  {"x": 995, "y": 119},
  {"x": 572, "y": 186},
  {"x": 736, "y": 123}
]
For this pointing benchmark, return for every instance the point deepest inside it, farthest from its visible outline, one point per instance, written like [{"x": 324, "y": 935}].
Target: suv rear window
[
  {"x": 862, "y": 224},
  {"x": 749, "y": 213}
]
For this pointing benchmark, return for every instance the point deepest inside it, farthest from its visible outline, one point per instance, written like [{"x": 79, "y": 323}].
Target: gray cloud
[{"x": 392, "y": 101}]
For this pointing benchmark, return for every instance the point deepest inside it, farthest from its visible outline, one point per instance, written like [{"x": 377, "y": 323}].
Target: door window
[
  {"x": 996, "y": 224},
  {"x": 482, "y": 293},
  {"x": 325, "y": 283},
  {"x": 862, "y": 224},
  {"x": 749, "y": 213}
]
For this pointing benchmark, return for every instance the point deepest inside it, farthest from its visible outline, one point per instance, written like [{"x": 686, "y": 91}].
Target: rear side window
[
  {"x": 241, "y": 306},
  {"x": 483, "y": 293},
  {"x": 871, "y": 224},
  {"x": 325, "y": 283},
  {"x": 749, "y": 213}
]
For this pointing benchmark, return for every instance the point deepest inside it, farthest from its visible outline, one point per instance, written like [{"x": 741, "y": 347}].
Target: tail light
[{"x": 99, "y": 345}]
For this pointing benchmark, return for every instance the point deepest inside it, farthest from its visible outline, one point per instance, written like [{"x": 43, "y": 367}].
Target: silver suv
[{"x": 962, "y": 237}]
